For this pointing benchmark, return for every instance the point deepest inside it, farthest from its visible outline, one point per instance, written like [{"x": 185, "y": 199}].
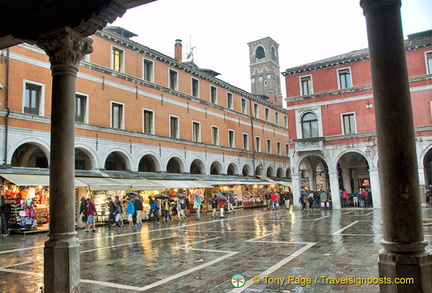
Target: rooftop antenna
[{"x": 191, "y": 55}]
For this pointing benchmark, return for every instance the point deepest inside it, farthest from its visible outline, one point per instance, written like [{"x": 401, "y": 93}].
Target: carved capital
[{"x": 65, "y": 46}]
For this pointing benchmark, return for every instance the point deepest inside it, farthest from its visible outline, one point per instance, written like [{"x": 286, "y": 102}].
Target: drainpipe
[
  {"x": 253, "y": 138},
  {"x": 7, "y": 110}
]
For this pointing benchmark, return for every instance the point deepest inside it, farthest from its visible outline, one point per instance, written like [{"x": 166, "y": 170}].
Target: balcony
[{"x": 309, "y": 144}]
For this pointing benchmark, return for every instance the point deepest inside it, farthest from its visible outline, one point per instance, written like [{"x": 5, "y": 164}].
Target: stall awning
[
  {"x": 284, "y": 183},
  {"x": 141, "y": 184},
  {"x": 183, "y": 184},
  {"x": 265, "y": 178},
  {"x": 97, "y": 183},
  {"x": 33, "y": 180},
  {"x": 214, "y": 183}
]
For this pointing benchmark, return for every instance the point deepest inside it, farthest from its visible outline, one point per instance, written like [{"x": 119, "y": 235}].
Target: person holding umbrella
[
  {"x": 213, "y": 203},
  {"x": 197, "y": 204},
  {"x": 222, "y": 203},
  {"x": 130, "y": 211},
  {"x": 180, "y": 208}
]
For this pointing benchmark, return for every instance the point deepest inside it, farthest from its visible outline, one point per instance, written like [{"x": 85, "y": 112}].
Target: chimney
[
  {"x": 272, "y": 97},
  {"x": 178, "y": 50}
]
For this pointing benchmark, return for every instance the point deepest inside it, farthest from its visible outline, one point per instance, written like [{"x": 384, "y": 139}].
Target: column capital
[{"x": 65, "y": 46}]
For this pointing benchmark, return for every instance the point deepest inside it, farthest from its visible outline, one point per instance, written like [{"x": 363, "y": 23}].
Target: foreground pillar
[
  {"x": 65, "y": 49},
  {"x": 404, "y": 254}
]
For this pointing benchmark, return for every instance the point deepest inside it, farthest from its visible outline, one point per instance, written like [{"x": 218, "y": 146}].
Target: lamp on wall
[{"x": 368, "y": 151}]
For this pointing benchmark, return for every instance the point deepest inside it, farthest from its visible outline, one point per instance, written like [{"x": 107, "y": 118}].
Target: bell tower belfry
[{"x": 265, "y": 69}]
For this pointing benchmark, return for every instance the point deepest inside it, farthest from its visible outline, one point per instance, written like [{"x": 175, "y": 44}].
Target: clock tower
[{"x": 265, "y": 69}]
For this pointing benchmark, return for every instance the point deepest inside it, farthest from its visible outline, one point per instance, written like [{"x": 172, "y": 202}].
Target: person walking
[
  {"x": 345, "y": 198},
  {"x": 287, "y": 200},
  {"x": 197, "y": 206},
  {"x": 302, "y": 201},
  {"x": 90, "y": 213},
  {"x": 268, "y": 199},
  {"x": 138, "y": 205},
  {"x": 5, "y": 212},
  {"x": 112, "y": 213},
  {"x": 222, "y": 203},
  {"x": 213, "y": 204},
  {"x": 311, "y": 200},
  {"x": 166, "y": 207},
  {"x": 180, "y": 209},
  {"x": 82, "y": 215},
  {"x": 130, "y": 211},
  {"x": 231, "y": 201},
  {"x": 274, "y": 200},
  {"x": 153, "y": 210},
  {"x": 119, "y": 217}
]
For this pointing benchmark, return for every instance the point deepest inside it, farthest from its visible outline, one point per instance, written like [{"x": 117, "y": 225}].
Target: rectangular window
[
  {"x": 278, "y": 148},
  {"x": 276, "y": 118},
  {"x": 245, "y": 141},
  {"x": 215, "y": 135},
  {"x": 231, "y": 141},
  {"x": 287, "y": 150},
  {"x": 344, "y": 78},
  {"x": 213, "y": 94},
  {"x": 267, "y": 114},
  {"x": 196, "y": 131},
  {"x": 174, "y": 127},
  {"x": 258, "y": 143},
  {"x": 32, "y": 99},
  {"x": 429, "y": 62},
  {"x": 348, "y": 121},
  {"x": 173, "y": 80},
  {"x": 256, "y": 111},
  {"x": 306, "y": 85},
  {"x": 80, "y": 108},
  {"x": 269, "y": 147},
  {"x": 230, "y": 102},
  {"x": 116, "y": 115},
  {"x": 243, "y": 106},
  {"x": 285, "y": 121},
  {"x": 148, "y": 70},
  {"x": 195, "y": 87},
  {"x": 117, "y": 59},
  {"x": 148, "y": 126}
]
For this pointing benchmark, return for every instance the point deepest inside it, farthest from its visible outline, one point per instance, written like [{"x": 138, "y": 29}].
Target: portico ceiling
[{"x": 23, "y": 20}]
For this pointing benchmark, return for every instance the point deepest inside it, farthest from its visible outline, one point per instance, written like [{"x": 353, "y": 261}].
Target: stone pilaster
[
  {"x": 404, "y": 254},
  {"x": 334, "y": 186},
  {"x": 65, "y": 49}
]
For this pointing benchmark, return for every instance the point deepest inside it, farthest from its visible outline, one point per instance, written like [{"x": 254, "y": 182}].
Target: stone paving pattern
[{"x": 202, "y": 256}]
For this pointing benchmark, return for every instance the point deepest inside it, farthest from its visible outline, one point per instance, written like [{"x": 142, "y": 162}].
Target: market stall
[{"x": 28, "y": 196}]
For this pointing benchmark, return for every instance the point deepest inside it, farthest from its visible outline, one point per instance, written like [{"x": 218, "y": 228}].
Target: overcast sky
[{"x": 306, "y": 30}]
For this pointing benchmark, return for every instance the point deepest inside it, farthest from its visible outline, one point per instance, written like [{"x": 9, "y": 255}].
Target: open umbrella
[
  {"x": 131, "y": 193},
  {"x": 180, "y": 195},
  {"x": 221, "y": 196},
  {"x": 227, "y": 192},
  {"x": 162, "y": 196},
  {"x": 198, "y": 194}
]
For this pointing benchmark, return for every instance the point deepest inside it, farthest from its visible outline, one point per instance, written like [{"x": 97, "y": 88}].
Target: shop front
[
  {"x": 188, "y": 188},
  {"x": 99, "y": 189},
  {"x": 28, "y": 196}
]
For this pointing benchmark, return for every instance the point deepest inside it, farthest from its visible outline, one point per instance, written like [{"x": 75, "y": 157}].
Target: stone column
[
  {"x": 375, "y": 188},
  {"x": 334, "y": 186},
  {"x": 404, "y": 253},
  {"x": 296, "y": 188},
  {"x": 65, "y": 48},
  {"x": 346, "y": 179}
]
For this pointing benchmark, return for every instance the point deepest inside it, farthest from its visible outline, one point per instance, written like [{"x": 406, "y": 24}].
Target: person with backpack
[
  {"x": 311, "y": 200},
  {"x": 154, "y": 210},
  {"x": 302, "y": 201}
]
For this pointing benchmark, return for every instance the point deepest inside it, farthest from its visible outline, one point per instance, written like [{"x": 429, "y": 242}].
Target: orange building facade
[{"x": 139, "y": 110}]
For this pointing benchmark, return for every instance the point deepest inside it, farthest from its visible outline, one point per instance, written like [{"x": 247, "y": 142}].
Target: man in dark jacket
[
  {"x": 112, "y": 213},
  {"x": 138, "y": 205},
  {"x": 5, "y": 212}
]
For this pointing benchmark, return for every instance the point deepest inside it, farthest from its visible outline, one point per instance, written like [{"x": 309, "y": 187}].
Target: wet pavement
[{"x": 283, "y": 251}]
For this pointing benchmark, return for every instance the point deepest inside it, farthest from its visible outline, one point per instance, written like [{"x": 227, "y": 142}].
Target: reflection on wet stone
[{"x": 203, "y": 256}]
